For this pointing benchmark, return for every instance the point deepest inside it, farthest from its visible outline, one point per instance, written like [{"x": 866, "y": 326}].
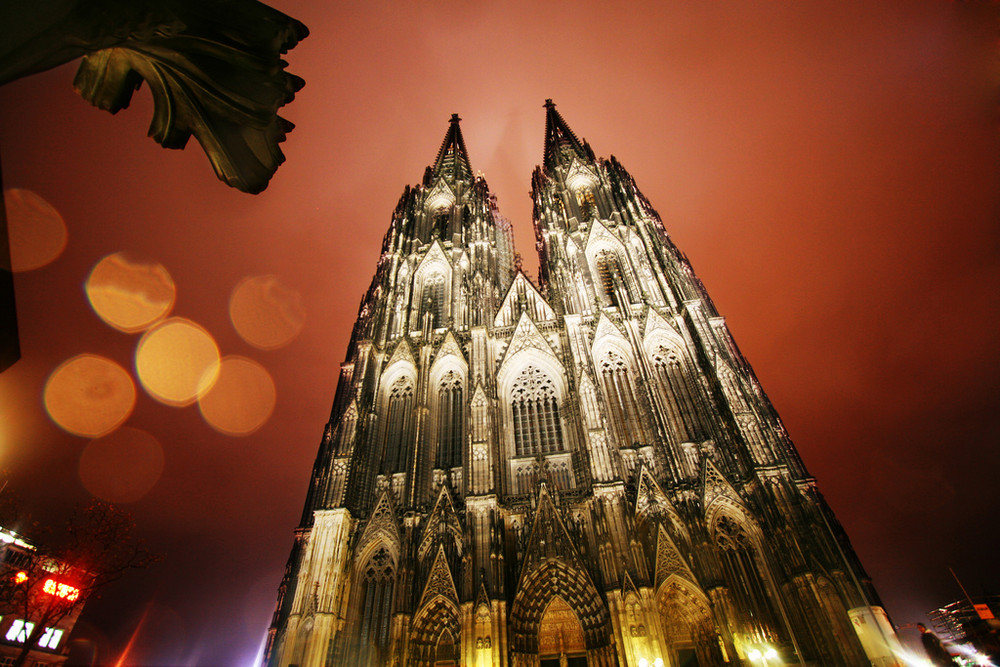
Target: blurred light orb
[
  {"x": 128, "y": 293},
  {"x": 242, "y": 399},
  {"x": 122, "y": 467},
  {"x": 89, "y": 395},
  {"x": 266, "y": 313},
  {"x": 36, "y": 230},
  {"x": 177, "y": 361}
]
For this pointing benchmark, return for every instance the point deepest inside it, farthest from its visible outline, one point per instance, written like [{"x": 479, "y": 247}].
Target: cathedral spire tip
[
  {"x": 453, "y": 158},
  {"x": 561, "y": 144}
]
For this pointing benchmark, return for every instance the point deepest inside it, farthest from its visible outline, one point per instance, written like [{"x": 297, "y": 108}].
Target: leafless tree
[{"x": 44, "y": 583}]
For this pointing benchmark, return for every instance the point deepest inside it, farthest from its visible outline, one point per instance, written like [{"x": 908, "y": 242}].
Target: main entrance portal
[{"x": 560, "y": 637}]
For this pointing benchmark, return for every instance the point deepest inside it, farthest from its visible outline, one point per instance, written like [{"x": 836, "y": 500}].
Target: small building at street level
[
  {"x": 35, "y": 587},
  {"x": 581, "y": 469}
]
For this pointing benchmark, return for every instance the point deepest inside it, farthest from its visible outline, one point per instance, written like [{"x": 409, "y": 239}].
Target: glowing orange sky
[{"x": 830, "y": 168}]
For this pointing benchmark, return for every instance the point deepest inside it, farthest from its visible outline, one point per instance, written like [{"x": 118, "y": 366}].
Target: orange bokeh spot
[
  {"x": 36, "y": 230},
  {"x": 177, "y": 361},
  {"x": 89, "y": 395},
  {"x": 241, "y": 400},
  {"x": 265, "y": 313},
  {"x": 122, "y": 467},
  {"x": 20, "y": 577},
  {"x": 128, "y": 293}
]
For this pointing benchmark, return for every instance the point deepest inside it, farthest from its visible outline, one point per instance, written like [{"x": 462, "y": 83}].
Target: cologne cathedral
[{"x": 578, "y": 470}]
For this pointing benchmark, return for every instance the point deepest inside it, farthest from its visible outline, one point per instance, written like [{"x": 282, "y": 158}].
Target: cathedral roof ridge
[{"x": 453, "y": 157}]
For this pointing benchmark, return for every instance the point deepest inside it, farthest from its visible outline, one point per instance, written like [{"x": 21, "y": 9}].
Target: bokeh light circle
[
  {"x": 177, "y": 361},
  {"x": 122, "y": 467},
  {"x": 266, "y": 313},
  {"x": 242, "y": 399},
  {"x": 35, "y": 228},
  {"x": 128, "y": 293},
  {"x": 89, "y": 395}
]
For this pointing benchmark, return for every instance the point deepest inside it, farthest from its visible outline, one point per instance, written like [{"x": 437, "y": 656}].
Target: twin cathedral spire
[{"x": 582, "y": 470}]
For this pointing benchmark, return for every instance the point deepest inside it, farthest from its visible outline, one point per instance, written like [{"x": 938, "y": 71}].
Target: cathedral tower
[{"x": 578, "y": 471}]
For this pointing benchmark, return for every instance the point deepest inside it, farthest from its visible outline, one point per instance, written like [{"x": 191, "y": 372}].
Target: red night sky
[{"x": 830, "y": 168}]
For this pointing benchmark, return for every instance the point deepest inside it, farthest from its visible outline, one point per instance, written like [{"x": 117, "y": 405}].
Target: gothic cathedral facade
[{"x": 582, "y": 470}]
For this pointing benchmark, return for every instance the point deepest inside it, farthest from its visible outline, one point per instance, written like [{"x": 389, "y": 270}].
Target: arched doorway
[
  {"x": 687, "y": 625},
  {"x": 537, "y": 593},
  {"x": 560, "y": 637}
]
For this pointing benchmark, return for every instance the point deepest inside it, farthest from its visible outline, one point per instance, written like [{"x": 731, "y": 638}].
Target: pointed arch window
[
  {"x": 377, "y": 587},
  {"x": 535, "y": 409},
  {"x": 441, "y": 218},
  {"x": 679, "y": 397},
  {"x": 585, "y": 200},
  {"x": 613, "y": 281},
  {"x": 451, "y": 421},
  {"x": 744, "y": 577},
  {"x": 432, "y": 300},
  {"x": 399, "y": 422},
  {"x": 628, "y": 421}
]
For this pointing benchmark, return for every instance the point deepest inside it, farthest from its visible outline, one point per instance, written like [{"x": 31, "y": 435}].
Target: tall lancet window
[
  {"x": 585, "y": 200},
  {"x": 535, "y": 408},
  {"x": 451, "y": 422},
  {"x": 398, "y": 426},
  {"x": 741, "y": 568},
  {"x": 678, "y": 394},
  {"x": 432, "y": 300},
  {"x": 377, "y": 584},
  {"x": 613, "y": 282},
  {"x": 627, "y": 419}
]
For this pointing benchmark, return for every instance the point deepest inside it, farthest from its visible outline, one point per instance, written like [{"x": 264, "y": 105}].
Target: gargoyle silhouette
[{"x": 214, "y": 68}]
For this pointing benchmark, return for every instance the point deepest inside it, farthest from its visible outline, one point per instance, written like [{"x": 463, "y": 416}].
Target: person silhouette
[{"x": 935, "y": 650}]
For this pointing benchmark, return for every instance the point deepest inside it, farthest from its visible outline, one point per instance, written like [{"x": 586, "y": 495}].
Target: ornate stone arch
[
  {"x": 531, "y": 371},
  {"x": 448, "y": 402},
  {"x": 677, "y": 386},
  {"x": 739, "y": 546},
  {"x": 627, "y": 407},
  {"x": 381, "y": 530},
  {"x": 396, "y": 400},
  {"x": 686, "y": 622},
  {"x": 401, "y": 303},
  {"x": 432, "y": 289},
  {"x": 437, "y": 616},
  {"x": 374, "y": 585},
  {"x": 533, "y": 402},
  {"x": 536, "y": 590},
  {"x": 437, "y": 612},
  {"x": 610, "y": 268}
]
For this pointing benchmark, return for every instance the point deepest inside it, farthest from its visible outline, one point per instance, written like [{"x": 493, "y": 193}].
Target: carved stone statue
[{"x": 214, "y": 68}]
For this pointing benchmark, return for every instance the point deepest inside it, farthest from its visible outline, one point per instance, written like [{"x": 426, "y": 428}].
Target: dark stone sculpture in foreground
[{"x": 214, "y": 68}]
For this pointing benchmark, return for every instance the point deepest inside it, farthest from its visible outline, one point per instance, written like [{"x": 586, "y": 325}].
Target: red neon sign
[{"x": 60, "y": 590}]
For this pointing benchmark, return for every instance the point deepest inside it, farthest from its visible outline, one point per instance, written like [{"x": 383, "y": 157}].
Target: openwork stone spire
[
  {"x": 453, "y": 159},
  {"x": 561, "y": 144}
]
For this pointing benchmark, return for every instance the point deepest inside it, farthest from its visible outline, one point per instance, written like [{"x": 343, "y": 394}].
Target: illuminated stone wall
[{"x": 582, "y": 470}]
